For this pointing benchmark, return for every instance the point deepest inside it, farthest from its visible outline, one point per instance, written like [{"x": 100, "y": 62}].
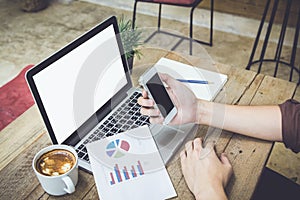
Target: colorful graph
[
  {"x": 117, "y": 148},
  {"x": 118, "y": 176}
]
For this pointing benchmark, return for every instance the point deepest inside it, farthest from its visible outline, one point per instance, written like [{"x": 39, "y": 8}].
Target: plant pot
[{"x": 130, "y": 64}]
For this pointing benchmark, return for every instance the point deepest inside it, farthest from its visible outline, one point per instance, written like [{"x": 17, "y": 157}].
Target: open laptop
[{"x": 84, "y": 93}]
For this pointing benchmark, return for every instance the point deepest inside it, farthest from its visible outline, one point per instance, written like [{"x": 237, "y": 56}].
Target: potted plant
[{"x": 131, "y": 40}]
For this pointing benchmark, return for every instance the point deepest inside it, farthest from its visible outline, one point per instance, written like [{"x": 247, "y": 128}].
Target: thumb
[
  {"x": 227, "y": 167},
  {"x": 225, "y": 160},
  {"x": 170, "y": 81}
]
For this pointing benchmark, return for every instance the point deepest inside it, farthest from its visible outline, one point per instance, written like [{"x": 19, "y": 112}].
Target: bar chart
[{"x": 119, "y": 175}]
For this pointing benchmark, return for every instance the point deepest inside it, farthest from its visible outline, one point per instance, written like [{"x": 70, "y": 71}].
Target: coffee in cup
[
  {"x": 55, "y": 162},
  {"x": 56, "y": 167}
]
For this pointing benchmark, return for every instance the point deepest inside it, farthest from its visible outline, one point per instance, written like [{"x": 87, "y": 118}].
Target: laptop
[{"x": 84, "y": 93}]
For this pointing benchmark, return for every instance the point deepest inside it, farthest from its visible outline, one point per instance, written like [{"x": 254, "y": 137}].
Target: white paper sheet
[
  {"x": 183, "y": 71},
  {"x": 128, "y": 166}
]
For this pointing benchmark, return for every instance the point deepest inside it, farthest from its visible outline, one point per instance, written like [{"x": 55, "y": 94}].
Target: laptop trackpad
[
  {"x": 164, "y": 135},
  {"x": 169, "y": 138}
]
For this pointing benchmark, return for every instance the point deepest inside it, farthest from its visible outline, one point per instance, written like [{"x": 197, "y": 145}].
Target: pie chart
[{"x": 117, "y": 148}]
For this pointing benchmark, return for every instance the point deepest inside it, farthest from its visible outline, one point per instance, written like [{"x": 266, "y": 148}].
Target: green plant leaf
[{"x": 131, "y": 38}]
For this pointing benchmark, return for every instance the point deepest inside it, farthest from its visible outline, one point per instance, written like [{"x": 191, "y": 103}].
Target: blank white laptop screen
[{"x": 75, "y": 86}]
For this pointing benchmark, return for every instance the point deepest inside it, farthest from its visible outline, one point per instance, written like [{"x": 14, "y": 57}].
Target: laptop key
[
  {"x": 126, "y": 116},
  {"x": 100, "y": 134},
  {"x": 127, "y": 108},
  {"x": 134, "y": 100},
  {"x": 110, "y": 125},
  {"x": 125, "y": 127},
  {"x": 142, "y": 118},
  {"x": 134, "y": 118},
  {"x": 113, "y": 121},
  {"x": 110, "y": 118},
  {"x": 105, "y": 130},
  {"x": 139, "y": 123},
  {"x": 109, "y": 134},
  {"x": 81, "y": 154},
  {"x": 131, "y": 112},
  {"x": 118, "y": 117},
  {"x": 130, "y": 122},
  {"x": 122, "y": 121},
  {"x": 138, "y": 114},
  {"x": 135, "y": 108},
  {"x": 118, "y": 126},
  {"x": 91, "y": 136},
  {"x": 114, "y": 130},
  {"x": 134, "y": 126},
  {"x": 86, "y": 157}
]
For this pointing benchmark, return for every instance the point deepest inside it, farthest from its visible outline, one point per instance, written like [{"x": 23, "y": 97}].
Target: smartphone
[{"x": 152, "y": 83}]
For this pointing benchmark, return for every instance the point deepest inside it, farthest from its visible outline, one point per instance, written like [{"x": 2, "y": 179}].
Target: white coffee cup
[{"x": 58, "y": 184}]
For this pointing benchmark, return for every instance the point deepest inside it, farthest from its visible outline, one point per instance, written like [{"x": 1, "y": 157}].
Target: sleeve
[{"x": 290, "y": 111}]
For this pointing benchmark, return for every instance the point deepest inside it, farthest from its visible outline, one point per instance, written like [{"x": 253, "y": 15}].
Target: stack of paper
[
  {"x": 183, "y": 71},
  {"x": 129, "y": 166}
]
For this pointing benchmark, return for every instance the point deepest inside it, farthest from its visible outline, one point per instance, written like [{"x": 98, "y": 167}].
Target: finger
[
  {"x": 156, "y": 120},
  {"x": 189, "y": 147},
  {"x": 145, "y": 102},
  {"x": 183, "y": 159},
  {"x": 198, "y": 144},
  {"x": 224, "y": 159},
  {"x": 228, "y": 168},
  {"x": 145, "y": 94},
  {"x": 152, "y": 112},
  {"x": 208, "y": 150},
  {"x": 183, "y": 154}
]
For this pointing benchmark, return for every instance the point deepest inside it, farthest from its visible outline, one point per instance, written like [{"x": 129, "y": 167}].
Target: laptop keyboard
[{"x": 125, "y": 118}]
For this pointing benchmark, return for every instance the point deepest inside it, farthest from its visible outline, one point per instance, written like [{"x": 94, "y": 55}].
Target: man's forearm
[{"x": 262, "y": 122}]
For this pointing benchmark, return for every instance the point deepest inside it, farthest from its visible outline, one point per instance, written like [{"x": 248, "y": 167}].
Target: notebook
[
  {"x": 183, "y": 71},
  {"x": 82, "y": 90}
]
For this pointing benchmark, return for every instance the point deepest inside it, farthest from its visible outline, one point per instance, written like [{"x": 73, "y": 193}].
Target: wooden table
[{"x": 25, "y": 136}]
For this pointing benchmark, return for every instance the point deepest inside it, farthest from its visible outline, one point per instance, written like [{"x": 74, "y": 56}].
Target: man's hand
[
  {"x": 183, "y": 98},
  {"x": 206, "y": 175}
]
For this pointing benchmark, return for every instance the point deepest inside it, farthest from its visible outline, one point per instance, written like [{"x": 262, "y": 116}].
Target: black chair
[
  {"x": 184, "y": 3},
  {"x": 273, "y": 185},
  {"x": 277, "y": 58}
]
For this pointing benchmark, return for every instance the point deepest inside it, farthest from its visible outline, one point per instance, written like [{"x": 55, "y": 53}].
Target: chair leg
[
  {"x": 159, "y": 17},
  {"x": 211, "y": 22},
  {"x": 282, "y": 36},
  {"x": 191, "y": 30},
  {"x": 134, "y": 13},
  {"x": 262, "y": 55},
  {"x": 292, "y": 61},
  {"x": 210, "y": 43},
  {"x": 258, "y": 34},
  {"x": 191, "y": 25}
]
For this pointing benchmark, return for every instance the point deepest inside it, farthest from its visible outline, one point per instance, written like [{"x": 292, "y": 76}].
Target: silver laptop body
[{"x": 83, "y": 89}]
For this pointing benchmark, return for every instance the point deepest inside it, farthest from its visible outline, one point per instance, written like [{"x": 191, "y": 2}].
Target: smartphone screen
[{"x": 160, "y": 95}]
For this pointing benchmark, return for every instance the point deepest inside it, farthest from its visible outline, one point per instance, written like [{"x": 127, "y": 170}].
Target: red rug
[{"x": 15, "y": 98}]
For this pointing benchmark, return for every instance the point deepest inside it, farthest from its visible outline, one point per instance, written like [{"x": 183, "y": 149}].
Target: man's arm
[{"x": 262, "y": 122}]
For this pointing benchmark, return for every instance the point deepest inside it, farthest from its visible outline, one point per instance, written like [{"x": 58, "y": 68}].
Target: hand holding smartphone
[{"x": 152, "y": 83}]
